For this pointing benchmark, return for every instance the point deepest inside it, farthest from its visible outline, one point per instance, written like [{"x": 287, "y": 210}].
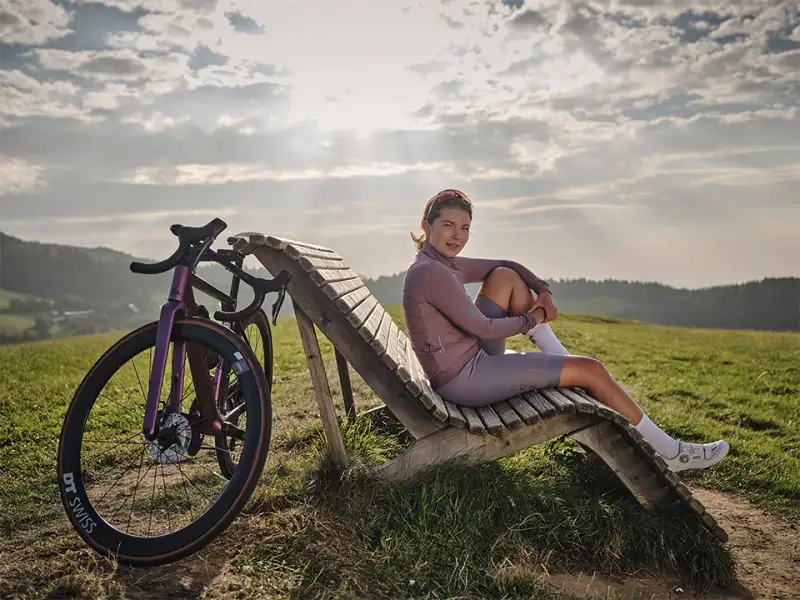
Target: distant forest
[{"x": 74, "y": 278}]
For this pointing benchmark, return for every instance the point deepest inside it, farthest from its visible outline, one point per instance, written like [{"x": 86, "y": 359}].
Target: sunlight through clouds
[{"x": 620, "y": 127}]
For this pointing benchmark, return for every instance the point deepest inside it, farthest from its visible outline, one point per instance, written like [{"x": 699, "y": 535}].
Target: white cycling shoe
[{"x": 698, "y": 456}]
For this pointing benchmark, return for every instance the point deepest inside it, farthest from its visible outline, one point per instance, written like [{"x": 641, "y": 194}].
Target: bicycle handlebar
[
  {"x": 261, "y": 287},
  {"x": 186, "y": 236}
]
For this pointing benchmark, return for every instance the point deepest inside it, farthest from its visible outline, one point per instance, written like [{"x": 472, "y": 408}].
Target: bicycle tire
[
  {"x": 259, "y": 319},
  {"x": 162, "y": 549}
]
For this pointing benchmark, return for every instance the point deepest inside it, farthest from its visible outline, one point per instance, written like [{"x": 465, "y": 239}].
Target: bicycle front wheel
[{"x": 150, "y": 502}]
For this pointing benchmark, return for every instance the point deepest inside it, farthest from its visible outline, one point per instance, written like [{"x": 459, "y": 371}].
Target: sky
[{"x": 629, "y": 139}]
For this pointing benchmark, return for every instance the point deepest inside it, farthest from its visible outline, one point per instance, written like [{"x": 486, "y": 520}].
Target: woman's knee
[
  {"x": 506, "y": 287},
  {"x": 582, "y": 371}
]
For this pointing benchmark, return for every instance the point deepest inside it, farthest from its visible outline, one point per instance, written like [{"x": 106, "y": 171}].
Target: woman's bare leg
[{"x": 590, "y": 373}]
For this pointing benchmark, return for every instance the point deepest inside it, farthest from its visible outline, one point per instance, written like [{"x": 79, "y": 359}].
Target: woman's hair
[{"x": 433, "y": 207}]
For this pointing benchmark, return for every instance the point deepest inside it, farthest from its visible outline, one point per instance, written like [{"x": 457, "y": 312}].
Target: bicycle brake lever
[{"x": 276, "y": 307}]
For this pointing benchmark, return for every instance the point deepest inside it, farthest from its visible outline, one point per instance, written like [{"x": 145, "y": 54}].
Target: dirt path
[{"x": 766, "y": 548}]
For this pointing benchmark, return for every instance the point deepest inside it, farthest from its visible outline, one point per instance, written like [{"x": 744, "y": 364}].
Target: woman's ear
[{"x": 426, "y": 227}]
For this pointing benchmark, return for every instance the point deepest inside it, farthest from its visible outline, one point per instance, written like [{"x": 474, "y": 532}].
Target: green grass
[
  {"x": 7, "y": 295},
  {"x": 15, "y": 323},
  {"x": 479, "y": 532}
]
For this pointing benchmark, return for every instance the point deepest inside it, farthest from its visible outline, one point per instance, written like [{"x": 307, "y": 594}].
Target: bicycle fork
[{"x": 181, "y": 298}]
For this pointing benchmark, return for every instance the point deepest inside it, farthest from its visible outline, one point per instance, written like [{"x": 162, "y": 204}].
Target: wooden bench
[{"x": 328, "y": 294}]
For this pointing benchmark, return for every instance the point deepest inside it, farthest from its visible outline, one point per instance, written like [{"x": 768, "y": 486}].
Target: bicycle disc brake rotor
[{"x": 173, "y": 439}]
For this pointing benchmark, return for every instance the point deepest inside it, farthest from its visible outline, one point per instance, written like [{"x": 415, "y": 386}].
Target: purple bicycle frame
[{"x": 176, "y": 304}]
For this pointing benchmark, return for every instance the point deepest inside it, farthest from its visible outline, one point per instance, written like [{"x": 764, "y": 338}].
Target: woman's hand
[{"x": 544, "y": 302}]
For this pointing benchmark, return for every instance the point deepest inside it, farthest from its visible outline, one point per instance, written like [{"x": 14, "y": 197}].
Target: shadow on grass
[{"x": 448, "y": 530}]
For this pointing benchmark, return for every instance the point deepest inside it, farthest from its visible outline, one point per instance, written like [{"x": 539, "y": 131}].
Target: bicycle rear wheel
[
  {"x": 179, "y": 502},
  {"x": 256, "y": 332}
]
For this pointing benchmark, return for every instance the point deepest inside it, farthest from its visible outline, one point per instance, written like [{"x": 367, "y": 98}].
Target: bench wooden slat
[
  {"x": 539, "y": 404},
  {"x": 601, "y": 409},
  {"x": 454, "y": 415},
  {"x": 352, "y": 299},
  {"x": 283, "y": 243},
  {"x": 361, "y": 313},
  {"x": 491, "y": 419},
  {"x": 323, "y": 276},
  {"x": 507, "y": 415},
  {"x": 309, "y": 263},
  {"x": 296, "y": 253},
  {"x": 523, "y": 409},
  {"x": 404, "y": 370},
  {"x": 370, "y": 327},
  {"x": 562, "y": 404},
  {"x": 474, "y": 423},
  {"x": 340, "y": 288},
  {"x": 392, "y": 357},
  {"x": 381, "y": 342},
  {"x": 429, "y": 398},
  {"x": 581, "y": 404}
]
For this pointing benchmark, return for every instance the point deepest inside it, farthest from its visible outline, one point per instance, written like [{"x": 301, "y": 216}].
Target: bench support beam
[
  {"x": 319, "y": 379},
  {"x": 455, "y": 443},
  {"x": 616, "y": 452}
]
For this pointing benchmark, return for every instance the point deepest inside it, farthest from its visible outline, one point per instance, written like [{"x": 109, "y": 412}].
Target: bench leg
[
  {"x": 455, "y": 443},
  {"x": 347, "y": 388},
  {"x": 319, "y": 379}
]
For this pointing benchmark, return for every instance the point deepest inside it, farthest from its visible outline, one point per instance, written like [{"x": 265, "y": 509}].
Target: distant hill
[
  {"x": 100, "y": 278},
  {"x": 768, "y": 304},
  {"x": 91, "y": 277}
]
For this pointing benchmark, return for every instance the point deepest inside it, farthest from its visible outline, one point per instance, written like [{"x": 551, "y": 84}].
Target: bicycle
[{"x": 230, "y": 386}]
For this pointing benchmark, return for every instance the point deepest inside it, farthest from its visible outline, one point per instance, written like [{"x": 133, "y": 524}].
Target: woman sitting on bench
[{"x": 461, "y": 344}]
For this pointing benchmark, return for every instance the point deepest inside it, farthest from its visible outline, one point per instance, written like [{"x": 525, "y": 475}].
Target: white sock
[
  {"x": 665, "y": 445},
  {"x": 544, "y": 338}
]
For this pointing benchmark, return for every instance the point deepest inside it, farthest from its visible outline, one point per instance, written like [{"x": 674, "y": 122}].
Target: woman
[{"x": 461, "y": 343}]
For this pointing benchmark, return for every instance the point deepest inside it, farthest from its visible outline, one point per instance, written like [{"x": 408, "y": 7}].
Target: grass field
[
  {"x": 479, "y": 532},
  {"x": 7, "y": 295},
  {"x": 15, "y": 323}
]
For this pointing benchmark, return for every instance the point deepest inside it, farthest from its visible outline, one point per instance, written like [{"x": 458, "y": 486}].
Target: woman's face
[{"x": 450, "y": 231}]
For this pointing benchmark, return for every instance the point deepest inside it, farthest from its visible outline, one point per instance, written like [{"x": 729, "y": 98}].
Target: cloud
[
  {"x": 17, "y": 176},
  {"x": 31, "y": 21},
  {"x": 614, "y": 126},
  {"x": 244, "y": 24}
]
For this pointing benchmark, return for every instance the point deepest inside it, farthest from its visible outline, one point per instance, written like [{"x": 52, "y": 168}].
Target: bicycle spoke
[
  {"x": 166, "y": 497},
  {"x": 141, "y": 387},
  {"x": 152, "y": 500},
  {"x": 141, "y": 408},
  {"x": 118, "y": 478}
]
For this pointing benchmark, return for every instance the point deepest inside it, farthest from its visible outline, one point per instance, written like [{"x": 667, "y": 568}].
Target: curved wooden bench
[{"x": 327, "y": 293}]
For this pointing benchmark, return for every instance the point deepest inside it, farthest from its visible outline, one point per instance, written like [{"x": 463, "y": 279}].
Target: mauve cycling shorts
[{"x": 492, "y": 375}]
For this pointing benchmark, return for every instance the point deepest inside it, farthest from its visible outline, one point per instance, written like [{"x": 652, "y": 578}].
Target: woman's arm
[
  {"x": 474, "y": 270},
  {"x": 444, "y": 292}
]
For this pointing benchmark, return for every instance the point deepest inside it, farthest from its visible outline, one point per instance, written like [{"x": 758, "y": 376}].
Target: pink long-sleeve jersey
[{"x": 444, "y": 325}]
